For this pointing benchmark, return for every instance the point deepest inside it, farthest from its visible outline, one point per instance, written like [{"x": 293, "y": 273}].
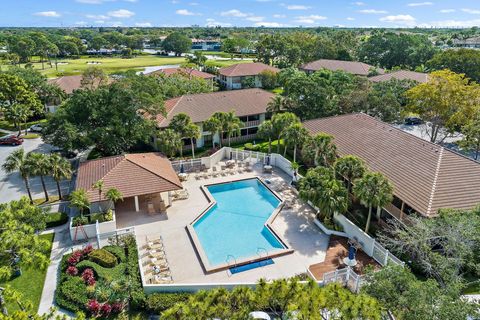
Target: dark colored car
[
  {"x": 413, "y": 120},
  {"x": 12, "y": 140}
]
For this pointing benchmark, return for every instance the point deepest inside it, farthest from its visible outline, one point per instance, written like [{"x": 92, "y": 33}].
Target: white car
[{"x": 36, "y": 128}]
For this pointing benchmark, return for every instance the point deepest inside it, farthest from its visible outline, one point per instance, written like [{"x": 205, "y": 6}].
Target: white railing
[{"x": 346, "y": 277}]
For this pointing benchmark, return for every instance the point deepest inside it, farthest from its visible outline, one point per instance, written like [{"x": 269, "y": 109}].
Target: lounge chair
[
  {"x": 214, "y": 171},
  {"x": 180, "y": 194}
]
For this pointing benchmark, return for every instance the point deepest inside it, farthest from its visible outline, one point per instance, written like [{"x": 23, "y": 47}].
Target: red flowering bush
[
  {"x": 87, "y": 249},
  {"x": 72, "y": 270},
  {"x": 106, "y": 309},
  {"x": 88, "y": 277},
  {"x": 117, "y": 307},
  {"x": 93, "y": 306},
  {"x": 75, "y": 257}
]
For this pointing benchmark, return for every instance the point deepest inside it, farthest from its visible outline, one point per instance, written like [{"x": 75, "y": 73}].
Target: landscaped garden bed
[{"x": 101, "y": 282}]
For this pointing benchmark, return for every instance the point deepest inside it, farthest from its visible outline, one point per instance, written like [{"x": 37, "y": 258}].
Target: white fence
[
  {"x": 346, "y": 277},
  {"x": 90, "y": 231}
]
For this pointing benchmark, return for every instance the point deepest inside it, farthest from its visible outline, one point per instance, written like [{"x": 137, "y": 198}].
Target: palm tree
[
  {"x": 294, "y": 135},
  {"x": 321, "y": 148},
  {"x": 79, "y": 200},
  {"x": 267, "y": 131},
  {"x": 373, "y": 189},
  {"x": 192, "y": 131},
  {"x": 169, "y": 141},
  {"x": 17, "y": 161},
  {"x": 351, "y": 168},
  {"x": 40, "y": 166},
  {"x": 99, "y": 186},
  {"x": 281, "y": 121},
  {"x": 60, "y": 169},
  {"x": 231, "y": 124},
  {"x": 214, "y": 126},
  {"x": 179, "y": 122},
  {"x": 113, "y": 195},
  {"x": 275, "y": 105},
  {"x": 198, "y": 59}
]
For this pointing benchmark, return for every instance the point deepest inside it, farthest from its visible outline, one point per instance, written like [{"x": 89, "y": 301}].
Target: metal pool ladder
[{"x": 260, "y": 250}]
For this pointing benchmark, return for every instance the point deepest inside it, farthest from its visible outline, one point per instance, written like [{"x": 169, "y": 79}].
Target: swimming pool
[{"x": 234, "y": 229}]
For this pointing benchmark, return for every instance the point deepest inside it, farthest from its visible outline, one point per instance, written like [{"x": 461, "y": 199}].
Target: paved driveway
[{"x": 12, "y": 186}]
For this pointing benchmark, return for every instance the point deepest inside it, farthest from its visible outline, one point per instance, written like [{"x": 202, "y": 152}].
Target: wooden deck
[{"x": 337, "y": 250}]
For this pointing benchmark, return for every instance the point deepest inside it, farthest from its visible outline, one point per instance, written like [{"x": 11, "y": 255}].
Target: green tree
[
  {"x": 282, "y": 121},
  {"x": 269, "y": 79},
  {"x": 373, "y": 190},
  {"x": 21, "y": 246},
  {"x": 40, "y": 166},
  {"x": 266, "y": 130},
  {"x": 17, "y": 161},
  {"x": 214, "y": 126},
  {"x": 113, "y": 195},
  {"x": 98, "y": 185},
  {"x": 321, "y": 149},
  {"x": 231, "y": 125},
  {"x": 197, "y": 59},
  {"x": 447, "y": 100},
  {"x": 192, "y": 132},
  {"x": 60, "y": 169},
  {"x": 465, "y": 61},
  {"x": 169, "y": 141},
  {"x": 79, "y": 200},
  {"x": 276, "y": 104},
  {"x": 16, "y": 100},
  {"x": 471, "y": 135},
  {"x": 350, "y": 168},
  {"x": 177, "y": 42},
  {"x": 295, "y": 135},
  {"x": 93, "y": 77}
]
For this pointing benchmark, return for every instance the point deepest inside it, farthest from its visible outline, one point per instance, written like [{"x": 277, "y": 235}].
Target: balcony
[{"x": 249, "y": 124}]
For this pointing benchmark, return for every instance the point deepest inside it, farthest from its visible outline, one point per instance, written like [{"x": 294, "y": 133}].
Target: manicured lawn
[
  {"x": 31, "y": 136},
  {"x": 225, "y": 63},
  {"x": 51, "y": 199},
  {"x": 4, "y": 124},
  {"x": 109, "y": 64},
  {"x": 30, "y": 283}
]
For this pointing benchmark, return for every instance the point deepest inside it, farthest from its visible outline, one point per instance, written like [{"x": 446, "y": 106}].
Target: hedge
[
  {"x": 56, "y": 219},
  {"x": 119, "y": 252},
  {"x": 137, "y": 296},
  {"x": 72, "y": 294},
  {"x": 103, "y": 258},
  {"x": 106, "y": 273},
  {"x": 159, "y": 302}
]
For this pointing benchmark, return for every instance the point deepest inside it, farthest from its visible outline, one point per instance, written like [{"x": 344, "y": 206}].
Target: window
[
  {"x": 254, "y": 117},
  {"x": 243, "y": 132},
  {"x": 243, "y": 119},
  {"x": 252, "y": 130}
]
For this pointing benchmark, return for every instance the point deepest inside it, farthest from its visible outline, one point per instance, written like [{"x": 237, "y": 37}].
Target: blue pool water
[{"x": 234, "y": 226}]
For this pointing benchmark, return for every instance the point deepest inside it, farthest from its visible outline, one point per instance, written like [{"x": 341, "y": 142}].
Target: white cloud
[
  {"x": 311, "y": 19},
  {"x": 143, "y": 24},
  {"x": 185, "y": 12},
  {"x": 420, "y": 4},
  {"x": 102, "y": 1},
  {"x": 194, "y": 3},
  {"x": 372, "y": 11},
  {"x": 99, "y": 21},
  {"x": 359, "y": 3},
  {"x": 81, "y": 23},
  {"x": 269, "y": 24},
  {"x": 297, "y": 7},
  {"x": 255, "y": 18},
  {"x": 471, "y": 11},
  {"x": 234, "y": 13},
  {"x": 350, "y": 19},
  {"x": 122, "y": 13},
  {"x": 447, "y": 10},
  {"x": 50, "y": 14},
  {"x": 401, "y": 19},
  {"x": 452, "y": 23},
  {"x": 214, "y": 23},
  {"x": 279, "y": 16},
  {"x": 97, "y": 16}
]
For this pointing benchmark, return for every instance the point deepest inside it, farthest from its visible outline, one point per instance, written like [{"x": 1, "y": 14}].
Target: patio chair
[
  {"x": 214, "y": 171},
  {"x": 181, "y": 194},
  {"x": 223, "y": 170}
]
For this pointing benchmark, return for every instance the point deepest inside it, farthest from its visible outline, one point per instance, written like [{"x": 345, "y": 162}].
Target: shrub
[
  {"x": 79, "y": 221},
  {"x": 252, "y": 147},
  {"x": 72, "y": 271},
  {"x": 106, "y": 273},
  {"x": 96, "y": 216},
  {"x": 105, "y": 310},
  {"x": 87, "y": 249},
  {"x": 103, "y": 258},
  {"x": 56, "y": 219},
  {"x": 88, "y": 277},
  {"x": 159, "y": 302},
  {"x": 93, "y": 307},
  {"x": 75, "y": 257},
  {"x": 119, "y": 252},
  {"x": 73, "y": 292},
  {"x": 137, "y": 296}
]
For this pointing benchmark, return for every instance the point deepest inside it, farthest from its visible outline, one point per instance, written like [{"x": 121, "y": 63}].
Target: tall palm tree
[
  {"x": 295, "y": 135},
  {"x": 192, "y": 131},
  {"x": 179, "y": 122},
  {"x": 170, "y": 141},
  {"x": 373, "y": 189},
  {"x": 113, "y": 195},
  {"x": 214, "y": 126},
  {"x": 267, "y": 131},
  {"x": 99, "y": 186},
  {"x": 40, "y": 166},
  {"x": 60, "y": 169},
  {"x": 281, "y": 121},
  {"x": 351, "y": 168},
  {"x": 322, "y": 149},
  {"x": 275, "y": 105},
  {"x": 17, "y": 161},
  {"x": 79, "y": 200},
  {"x": 231, "y": 125}
]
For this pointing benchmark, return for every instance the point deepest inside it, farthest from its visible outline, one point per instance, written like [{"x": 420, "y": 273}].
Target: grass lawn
[
  {"x": 109, "y": 64},
  {"x": 4, "y": 124},
  {"x": 51, "y": 199},
  {"x": 225, "y": 63},
  {"x": 31, "y": 136},
  {"x": 30, "y": 283}
]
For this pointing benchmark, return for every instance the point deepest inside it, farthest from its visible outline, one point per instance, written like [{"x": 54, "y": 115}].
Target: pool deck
[{"x": 293, "y": 224}]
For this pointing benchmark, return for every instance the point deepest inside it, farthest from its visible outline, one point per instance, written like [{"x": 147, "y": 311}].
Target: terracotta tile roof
[
  {"x": 186, "y": 71},
  {"x": 245, "y": 69},
  {"x": 201, "y": 106},
  {"x": 132, "y": 174},
  {"x": 354, "y": 67},
  {"x": 69, "y": 83},
  {"x": 426, "y": 176},
  {"x": 401, "y": 75}
]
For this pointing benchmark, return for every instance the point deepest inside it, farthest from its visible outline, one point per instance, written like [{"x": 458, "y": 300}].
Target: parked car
[
  {"x": 63, "y": 153},
  {"x": 36, "y": 128},
  {"x": 413, "y": 120},
  {"x": 11, "y": 140}
]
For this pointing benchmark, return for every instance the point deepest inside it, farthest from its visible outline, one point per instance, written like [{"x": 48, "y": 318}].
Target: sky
[{"x": 269, "y": 13}]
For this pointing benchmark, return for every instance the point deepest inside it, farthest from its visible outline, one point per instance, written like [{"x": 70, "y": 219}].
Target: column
[{"x": 137, "y": 207}]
